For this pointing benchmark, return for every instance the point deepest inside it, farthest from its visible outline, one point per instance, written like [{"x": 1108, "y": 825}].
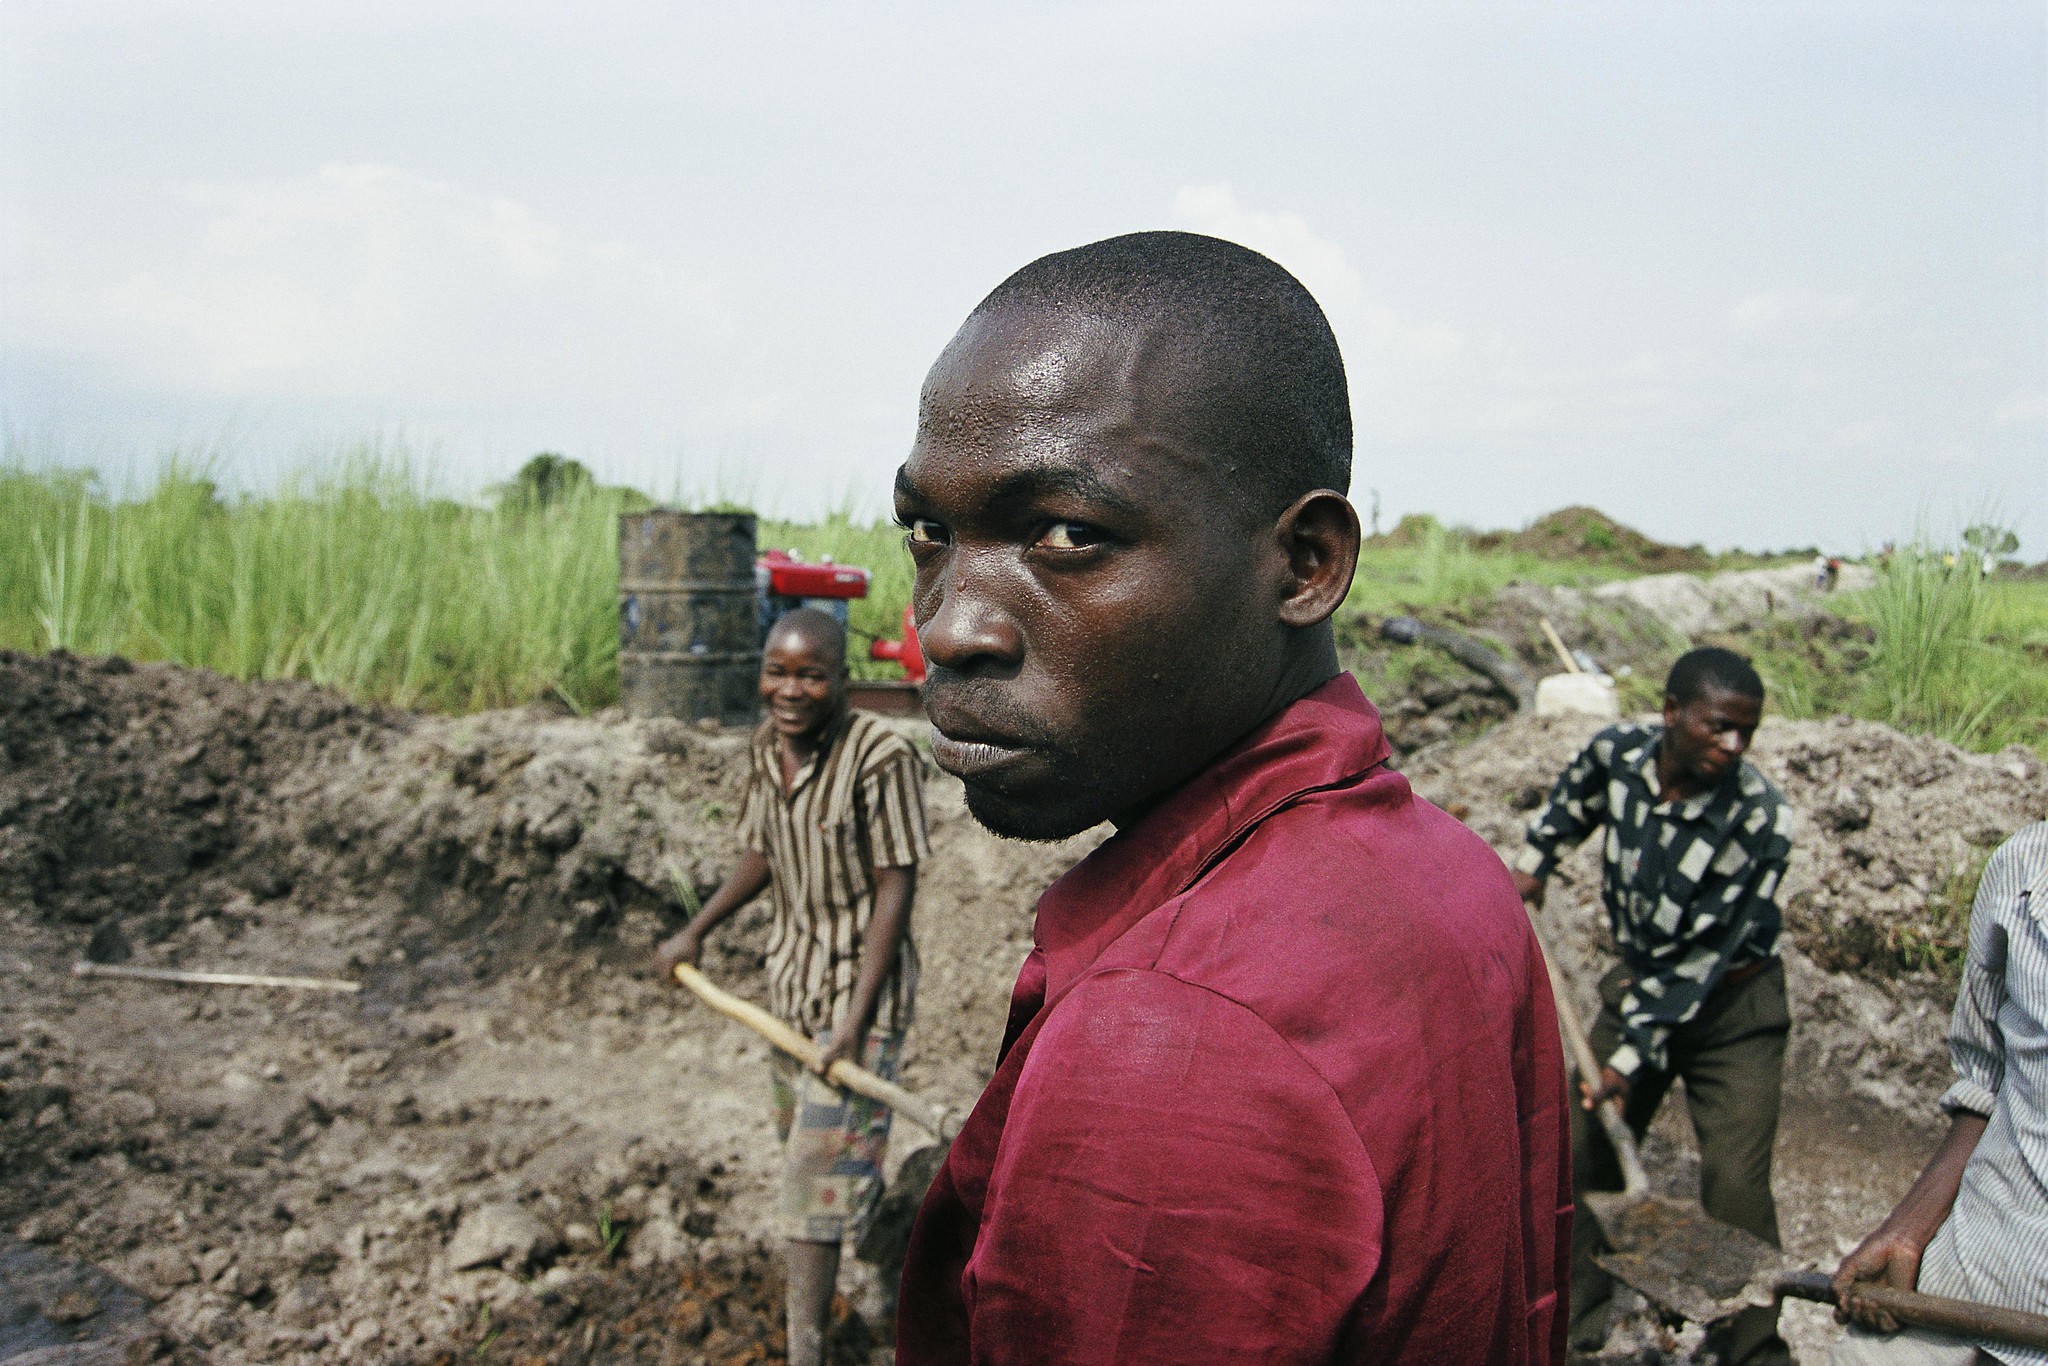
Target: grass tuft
[{"x": 1935, "y": 668}]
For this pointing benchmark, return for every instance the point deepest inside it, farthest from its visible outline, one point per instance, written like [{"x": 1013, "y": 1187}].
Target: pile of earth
[
  {"x": 1633, "y": 629},
  {"x": 511, "y": 1132},
  {"x": 1583, "y": 533},
  {"x": 509, "y": 1106}
]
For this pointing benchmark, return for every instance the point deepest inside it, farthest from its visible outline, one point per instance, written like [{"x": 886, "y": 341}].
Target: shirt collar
[
  {"x": 1717, "y": 806},
  {"x": 768, "y": 749},
  {"x": 1330, "y": 738}
]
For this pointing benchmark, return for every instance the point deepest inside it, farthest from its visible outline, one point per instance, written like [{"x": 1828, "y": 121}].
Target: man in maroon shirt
[{"x": 1281, "y": 1081}]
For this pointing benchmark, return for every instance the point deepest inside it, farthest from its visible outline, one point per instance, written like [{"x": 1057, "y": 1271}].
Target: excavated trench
[{"x": 512, "y": 1144}]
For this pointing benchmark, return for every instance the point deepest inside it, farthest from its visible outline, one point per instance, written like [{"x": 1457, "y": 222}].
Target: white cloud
[
  {"x": 360, "y": 280},
  {"x": 1788, "y": 314},
  {"x": 1317, "y": 262},
  {"x": 2022, "y": 410}
]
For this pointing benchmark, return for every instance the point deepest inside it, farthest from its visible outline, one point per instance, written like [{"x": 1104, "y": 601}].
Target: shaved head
[
  {"x": 1125, "y": 507},
  {"x": 819, "y": 633},
  {"x": 1239, "y": 359}
]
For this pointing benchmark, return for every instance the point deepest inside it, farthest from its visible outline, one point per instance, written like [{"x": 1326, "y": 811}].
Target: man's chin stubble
[{"x": 1042, "y": 823}]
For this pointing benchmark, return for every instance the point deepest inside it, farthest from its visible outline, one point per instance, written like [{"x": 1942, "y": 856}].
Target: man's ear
[{"x": 1319, "y": 536}]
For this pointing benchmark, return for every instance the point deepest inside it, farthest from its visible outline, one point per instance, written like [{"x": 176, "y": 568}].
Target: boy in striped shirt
[{"x": 833, "y": 824}]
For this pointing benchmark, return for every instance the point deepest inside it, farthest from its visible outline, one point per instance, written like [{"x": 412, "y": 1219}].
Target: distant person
[
  {"x": 1975, "y": 1225},
  {"x": 1694, "y": 849},
  {"x": 1281, "y": 1081},
  {"x": 833, "y": 821}
]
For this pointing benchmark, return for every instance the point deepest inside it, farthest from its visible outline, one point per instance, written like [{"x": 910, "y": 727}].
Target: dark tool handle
[{"x": 1964, "y": 1318}]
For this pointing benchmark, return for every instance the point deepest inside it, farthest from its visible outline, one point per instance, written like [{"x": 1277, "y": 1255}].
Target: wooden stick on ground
[
  {"x": 1571, "y": 666},
  {"x": 213, "y": 979},
  {"x": 933, "y": 1119}
]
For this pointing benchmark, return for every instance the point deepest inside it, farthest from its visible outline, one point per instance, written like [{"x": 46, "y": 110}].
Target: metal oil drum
[{"x": 689, "y": 623}]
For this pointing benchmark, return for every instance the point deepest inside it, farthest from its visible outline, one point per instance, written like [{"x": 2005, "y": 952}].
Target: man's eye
[
  {"x": 923, "y": 531},
  {"x": 1069, "y": 536}
]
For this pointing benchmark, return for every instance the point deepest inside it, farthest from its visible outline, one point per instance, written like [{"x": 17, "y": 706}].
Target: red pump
[{"x": 906, "y": 651}]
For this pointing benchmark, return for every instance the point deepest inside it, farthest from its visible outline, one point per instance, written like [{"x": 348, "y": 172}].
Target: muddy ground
[{"x": 513, "y": 1145}]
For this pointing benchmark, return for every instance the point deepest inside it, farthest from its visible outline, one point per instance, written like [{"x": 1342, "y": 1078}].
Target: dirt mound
[
  {"x": 288, "y": 1177},
  {"x": 1583, "y": 533},
  {"x": 1692, "y": 605},
  {"x": 128, "y": 788},
  {"x": 1427, "y": 698},
  {"x": 1634, "y": 629}
]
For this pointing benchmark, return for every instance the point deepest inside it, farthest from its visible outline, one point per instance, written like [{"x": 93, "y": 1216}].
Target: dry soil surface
[{"x": 512, "y": 1144}]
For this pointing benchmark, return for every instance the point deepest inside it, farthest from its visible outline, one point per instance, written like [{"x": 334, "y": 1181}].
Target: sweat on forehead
[
  {"x": 1221, "y": 343},
  {"x": 817, "y": 632}
]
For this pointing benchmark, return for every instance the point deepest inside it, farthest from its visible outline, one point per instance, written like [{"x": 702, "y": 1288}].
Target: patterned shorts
[{"x": 832, "y": 1145}]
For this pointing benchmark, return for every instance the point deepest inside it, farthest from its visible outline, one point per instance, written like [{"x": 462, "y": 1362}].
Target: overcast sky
[{"x": 1758, "y": 274}]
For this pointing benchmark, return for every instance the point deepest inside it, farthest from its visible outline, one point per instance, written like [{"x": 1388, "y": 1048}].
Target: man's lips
[
  {"x": 977, "y": 758},
  {"x": 977, "y": 732}
]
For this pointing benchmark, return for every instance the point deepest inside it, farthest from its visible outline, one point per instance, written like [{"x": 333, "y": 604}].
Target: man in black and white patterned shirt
[{"x": 1694, "y": 848}]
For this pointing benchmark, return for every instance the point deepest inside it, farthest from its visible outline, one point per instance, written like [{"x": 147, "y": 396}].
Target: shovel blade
[
  {"x": 1678, "y": 1256},
  {"x": 887, "y": 1238}
]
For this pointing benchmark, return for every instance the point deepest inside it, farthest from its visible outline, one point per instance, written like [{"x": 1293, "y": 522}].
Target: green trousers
[{"x": 1731, "y": 1057}]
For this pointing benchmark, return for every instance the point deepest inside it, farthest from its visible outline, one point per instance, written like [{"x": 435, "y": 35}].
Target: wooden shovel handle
[
  {"x": 1634, "y": 1180},
  {"x": 933, "y": 1119},
  {"x": 1964, "y": 1318}
]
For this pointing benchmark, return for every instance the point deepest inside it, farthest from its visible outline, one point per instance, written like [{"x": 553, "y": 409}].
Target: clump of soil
[
  {"x": 1583, "y": 533},
  {"x": 1634, "y": 629},
  {"x": 1427, "y": 698},
  {"x": 292, "y": 1177},
  {"x": 724, "y": 1311}
]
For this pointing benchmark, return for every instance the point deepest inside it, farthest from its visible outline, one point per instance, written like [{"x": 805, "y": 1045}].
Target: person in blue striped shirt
[{"x": 1975, "y": 1225}]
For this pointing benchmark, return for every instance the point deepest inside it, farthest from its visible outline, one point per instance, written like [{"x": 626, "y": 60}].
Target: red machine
[
  {"x": 786, "y": 583},
  {"x": 784, "y": 576},
  {"x": 906, "y": 651}
]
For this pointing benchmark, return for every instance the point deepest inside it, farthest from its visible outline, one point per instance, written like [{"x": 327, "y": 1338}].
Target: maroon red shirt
[{"x": 1281, "y": 1084}]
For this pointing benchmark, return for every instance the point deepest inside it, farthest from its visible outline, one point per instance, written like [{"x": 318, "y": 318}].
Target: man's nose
[
  {"x": 961, "y": 620},
  {"x": 1734, "y": 741}
]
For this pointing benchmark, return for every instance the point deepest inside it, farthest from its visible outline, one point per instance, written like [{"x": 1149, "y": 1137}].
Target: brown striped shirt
[{"x": 856, "y": 805}]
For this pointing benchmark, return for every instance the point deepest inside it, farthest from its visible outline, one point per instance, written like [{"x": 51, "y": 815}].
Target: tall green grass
[
  {"x": 366, "y": 579},
  {"x": 1958, "y": 654},
  {"x": 363, "y": 581}
]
